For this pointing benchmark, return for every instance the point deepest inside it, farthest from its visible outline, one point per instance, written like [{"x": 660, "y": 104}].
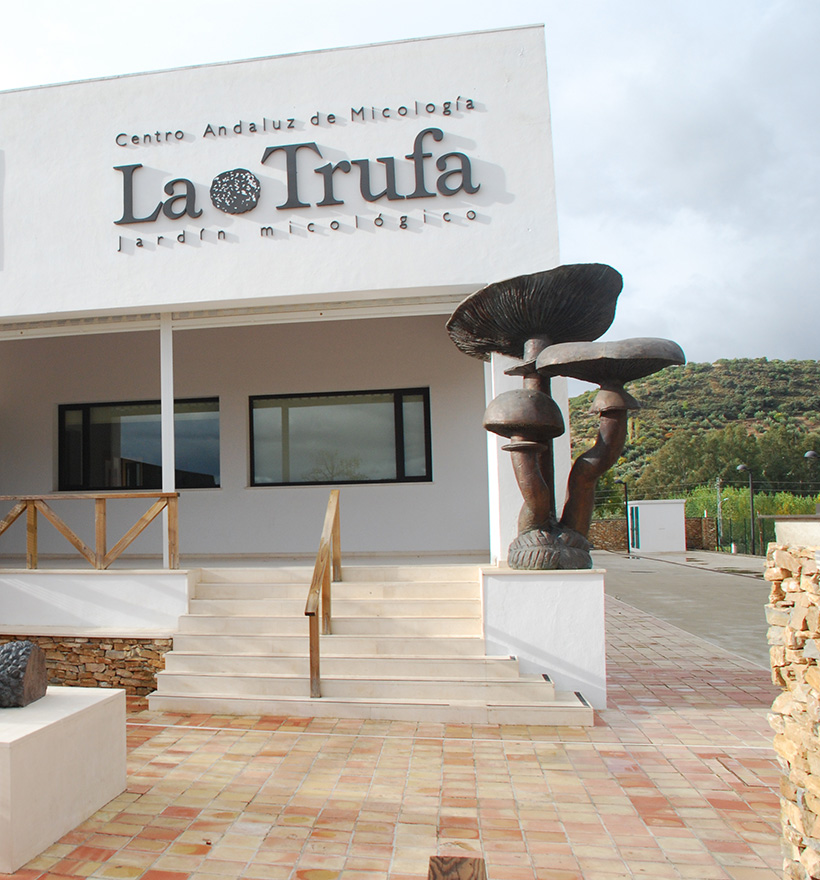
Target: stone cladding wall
[
  {"x": 128, "y": 663},
  {"x": 608, "y": 534},
  {"x": 701, "y": 533},
  {"x": 793, "y": 614}
]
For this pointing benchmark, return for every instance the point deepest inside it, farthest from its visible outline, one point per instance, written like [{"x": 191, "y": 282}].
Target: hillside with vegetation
[{"x": 699, "y": 421}]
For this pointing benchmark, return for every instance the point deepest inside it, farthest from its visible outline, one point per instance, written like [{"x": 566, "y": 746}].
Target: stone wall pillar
[{"x": 793, "y": 614}]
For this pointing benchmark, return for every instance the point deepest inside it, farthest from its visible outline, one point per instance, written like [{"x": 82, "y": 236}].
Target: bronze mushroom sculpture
[{"x": 549, "y": 321}]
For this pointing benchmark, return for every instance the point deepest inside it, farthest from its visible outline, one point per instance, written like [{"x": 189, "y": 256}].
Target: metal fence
[{"x": 736, "y": 536}]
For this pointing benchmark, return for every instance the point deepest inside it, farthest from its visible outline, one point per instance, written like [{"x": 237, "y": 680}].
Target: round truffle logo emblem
[{"x": 235, "y": 192}]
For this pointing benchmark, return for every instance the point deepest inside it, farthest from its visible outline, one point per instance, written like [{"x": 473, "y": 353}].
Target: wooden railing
[
  {"x": 100, "y": 557},
  {"x": 328, "y": 567}
]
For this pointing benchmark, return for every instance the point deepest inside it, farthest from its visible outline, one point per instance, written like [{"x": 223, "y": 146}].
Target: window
[
  {"x": 118, "y": 445},
  {"x": 342, "y": 437}
]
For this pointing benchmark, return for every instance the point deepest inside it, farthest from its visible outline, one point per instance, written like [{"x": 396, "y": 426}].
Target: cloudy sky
[{"x": 685, "y": 131}]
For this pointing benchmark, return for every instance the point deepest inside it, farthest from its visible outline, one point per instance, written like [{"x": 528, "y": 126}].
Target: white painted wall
[
  {"x": 505, "y": 496},
  {"x": 553, "y": 621},
  {"x": 144, "y": 604},
  {"x": 562, "y": 454},
  {"x": 662, "y": 526},
  {"x": 61, "y": 195},
  {"x": 450, "y": 514}
]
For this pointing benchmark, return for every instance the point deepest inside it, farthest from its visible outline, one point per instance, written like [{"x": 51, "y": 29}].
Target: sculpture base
[
  {"x": 553, "y": 622},
  {"x": 61, "y": 759},
  {"x": 558, "y": 548}
]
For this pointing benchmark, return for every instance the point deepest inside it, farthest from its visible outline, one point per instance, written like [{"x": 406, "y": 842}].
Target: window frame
[
  {"x": 398, "y": 395},
  {"x": 85, "y": 409}
]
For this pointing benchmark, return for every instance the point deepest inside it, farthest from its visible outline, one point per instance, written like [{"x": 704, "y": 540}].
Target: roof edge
[{"x": 268, "y": 58}]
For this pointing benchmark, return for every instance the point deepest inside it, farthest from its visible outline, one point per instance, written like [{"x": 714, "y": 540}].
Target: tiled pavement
[{"x": 676, "y": 780}]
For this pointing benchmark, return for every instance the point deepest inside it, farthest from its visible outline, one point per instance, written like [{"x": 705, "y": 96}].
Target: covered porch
[{"x": 245, "y": 509}]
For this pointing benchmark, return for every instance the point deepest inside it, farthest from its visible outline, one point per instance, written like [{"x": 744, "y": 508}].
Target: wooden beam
[
  {"x": 336, "y": 537},
  {"x": 315, "y": 679},
  {"x": 87, "y": 496},
  {"x": 12, "y": 516},
  {"x": 100, "y": 532},
  {"x": 137, "y": 529},
  {"x": 65, "y": 531},
  {"x": 173, "y": 532},
  {"x": 326, "y": 600},
  {"x": 31, "y": 535}
]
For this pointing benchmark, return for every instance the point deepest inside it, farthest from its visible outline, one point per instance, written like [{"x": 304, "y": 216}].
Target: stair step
[
  {"x": 465, "y": 668},
  {"x": 237, "y": 625},
  {"x": 343, "y": 607},
  {"x": 340, "y": 590},
  {"x": 565, "y": 711},
  {"x": 521, "y": 690},
  {"x": 285, "y": 644},
  {"x": 371, "y": 573}
]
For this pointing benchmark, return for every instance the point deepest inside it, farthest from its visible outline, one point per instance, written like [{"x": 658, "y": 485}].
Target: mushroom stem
[
  {"x": 537, "y": 508},
  {"x": 539, "y": 498},
  {"x": 534, "y": 346},
  {"x": 588, "y": 468}
]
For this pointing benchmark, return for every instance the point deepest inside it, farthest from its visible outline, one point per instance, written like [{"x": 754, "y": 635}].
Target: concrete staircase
[{"x": 406, "y": 644}]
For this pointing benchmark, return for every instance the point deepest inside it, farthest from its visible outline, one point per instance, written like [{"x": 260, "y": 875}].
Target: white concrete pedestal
[
  {"x": 61, "y": 759},
  {"x": 553, "y": 621},
  {"x": 799, "y": 531}
]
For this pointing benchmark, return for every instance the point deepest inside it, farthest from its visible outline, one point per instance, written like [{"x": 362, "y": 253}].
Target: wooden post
[
  {"x": 326, "y": 599},
  {"x": 336, "y": 542},
  {"x": 100, "y": 533},
  {"x": 315, "y": 687},
  {"x": 31, "y": 535},
  {"x": 173, "y": 532},
  {"x": 456, "y": 868}
]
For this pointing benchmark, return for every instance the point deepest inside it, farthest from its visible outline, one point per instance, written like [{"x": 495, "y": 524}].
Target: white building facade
[{"x": 274, "y": 245}]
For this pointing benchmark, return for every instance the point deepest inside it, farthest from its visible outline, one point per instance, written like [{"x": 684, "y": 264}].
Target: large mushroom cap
[
  {"x": 525, "y": 414},
  {"x": 565, "y": 304},
  {"x": 602, "y": 362}
]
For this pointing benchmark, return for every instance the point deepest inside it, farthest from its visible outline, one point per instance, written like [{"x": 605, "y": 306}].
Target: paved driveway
[{"x": 716, "y": 596}]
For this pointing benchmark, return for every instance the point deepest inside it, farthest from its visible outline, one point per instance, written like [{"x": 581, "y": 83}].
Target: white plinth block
[
  {"x": 553, "y": 621},
  {"x": 797, "y": 532},
  {"x": 61, "y": 759}
]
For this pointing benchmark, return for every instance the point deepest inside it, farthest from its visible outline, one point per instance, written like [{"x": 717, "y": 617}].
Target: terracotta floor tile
[
  {"x": 92, "y": 853},
  {"x": 119, "y": 872},
  {"x": 73, "y": 868},
  {"x": 148, "y": 844},
  {"x": 266, "y": 872},
  {"x": 164, "y": 875}
]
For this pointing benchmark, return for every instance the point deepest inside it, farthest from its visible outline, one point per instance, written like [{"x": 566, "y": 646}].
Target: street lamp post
[
  {"x": 811, "y": 459},
  {"x": 626, "y": 513},
  {"x": 743, "y": 468}
]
